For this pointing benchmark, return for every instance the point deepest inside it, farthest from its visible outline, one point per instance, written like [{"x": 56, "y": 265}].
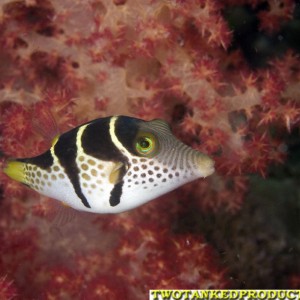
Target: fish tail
[{"x": 15, "y": 170}]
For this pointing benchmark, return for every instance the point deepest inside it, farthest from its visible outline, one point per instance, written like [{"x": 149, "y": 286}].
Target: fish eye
[{"x": 145, "y": 144}]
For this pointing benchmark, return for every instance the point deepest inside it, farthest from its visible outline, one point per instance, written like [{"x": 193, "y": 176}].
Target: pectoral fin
[{"x": 117, "y": 173}]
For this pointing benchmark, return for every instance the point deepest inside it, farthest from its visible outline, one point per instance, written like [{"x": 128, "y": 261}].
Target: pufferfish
[{"x": 111, "y": 165}]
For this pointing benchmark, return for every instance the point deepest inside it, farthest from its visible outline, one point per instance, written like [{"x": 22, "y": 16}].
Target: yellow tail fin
[{"x": 15, "y": 170}]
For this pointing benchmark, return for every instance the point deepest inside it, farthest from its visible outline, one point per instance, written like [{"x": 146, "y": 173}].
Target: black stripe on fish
[
  {"x": 43, "y": 161},
  {"x": 126, "y": 130},
  {"x": 66, "y": 151},
  {"x": 116, "y": 192},
  {"x": 96, "y": 141}
]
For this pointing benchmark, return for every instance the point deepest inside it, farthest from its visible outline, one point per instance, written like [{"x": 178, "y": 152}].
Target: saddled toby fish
[{"x": 111, "y": 165}]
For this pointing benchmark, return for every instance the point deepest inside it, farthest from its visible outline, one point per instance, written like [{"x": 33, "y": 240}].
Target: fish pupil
[{"x": 144, "y": 143}]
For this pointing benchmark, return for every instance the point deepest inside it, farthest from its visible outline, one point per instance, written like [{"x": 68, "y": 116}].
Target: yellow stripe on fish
[{"x": 111, "y": 165}]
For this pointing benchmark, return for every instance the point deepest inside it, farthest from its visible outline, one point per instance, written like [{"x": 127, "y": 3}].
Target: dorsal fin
[{"x": 43, "y": 121}]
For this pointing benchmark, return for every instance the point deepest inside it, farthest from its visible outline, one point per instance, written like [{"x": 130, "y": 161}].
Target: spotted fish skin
[{"x": 111, "y": 165}]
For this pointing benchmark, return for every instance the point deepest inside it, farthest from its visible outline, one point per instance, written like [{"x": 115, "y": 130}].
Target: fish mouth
[{"x": 206, "y": 165}]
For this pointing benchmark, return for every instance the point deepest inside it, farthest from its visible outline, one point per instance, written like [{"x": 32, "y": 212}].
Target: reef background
[{"x": 224, "y": 74}]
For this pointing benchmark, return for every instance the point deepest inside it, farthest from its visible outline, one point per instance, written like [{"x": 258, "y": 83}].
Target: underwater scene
[{"x": 206, "y": 197}]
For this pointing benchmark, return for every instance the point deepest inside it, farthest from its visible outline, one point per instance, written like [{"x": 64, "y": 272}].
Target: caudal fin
[{"x": 15, "y": 170}]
